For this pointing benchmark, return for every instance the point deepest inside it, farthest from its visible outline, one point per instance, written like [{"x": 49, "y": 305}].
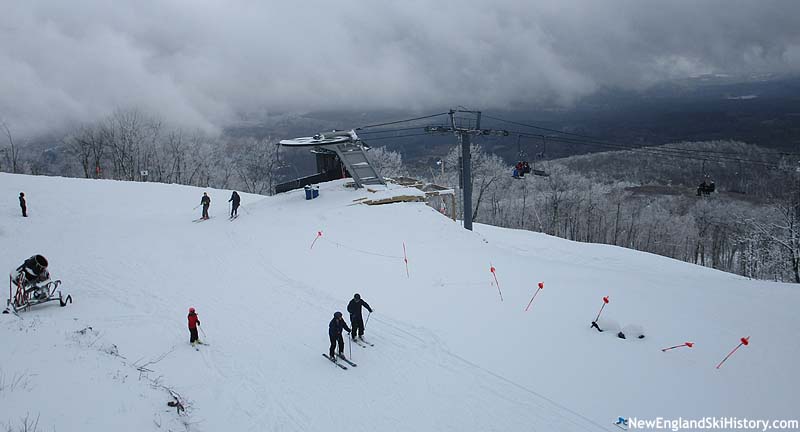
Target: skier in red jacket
[{"x": 193, "y": 323}]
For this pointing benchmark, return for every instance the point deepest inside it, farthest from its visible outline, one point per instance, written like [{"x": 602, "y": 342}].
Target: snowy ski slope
[{"x": 449, "y": 355}]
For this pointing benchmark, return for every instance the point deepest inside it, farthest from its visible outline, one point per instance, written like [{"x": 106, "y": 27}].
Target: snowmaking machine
[{"x": 30, "y": 285}]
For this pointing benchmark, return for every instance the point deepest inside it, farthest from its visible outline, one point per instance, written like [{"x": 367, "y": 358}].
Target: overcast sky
[{"x": 201, "y": 63}]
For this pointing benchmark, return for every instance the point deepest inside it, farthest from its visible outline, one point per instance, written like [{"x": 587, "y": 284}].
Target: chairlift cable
[
  {"x": 654, "y": 151},
  {"x": 401, "y": 121},
  {"x": 600, "y": 139},
  {"x": 666, "y": 150},
  {"x": 390, "y": 130},
  {"x": 398, "y": 136}
]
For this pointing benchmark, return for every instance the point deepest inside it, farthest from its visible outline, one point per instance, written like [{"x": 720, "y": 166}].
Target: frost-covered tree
[
  {"x": 487, "y": 169},
  {"x": 388, "y": 163},
  {"x": 256, "y": 163}
]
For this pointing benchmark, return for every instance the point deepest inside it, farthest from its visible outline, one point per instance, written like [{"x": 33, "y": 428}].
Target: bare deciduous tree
[
  {"x": 12, "y": 154},
  {"x": 87, "y": 144},
  {"x": 256, "y": 164}
]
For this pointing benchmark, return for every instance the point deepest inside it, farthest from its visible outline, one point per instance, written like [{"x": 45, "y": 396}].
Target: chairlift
[
  {"x": 523, "y": 166},
  {"x": 520, "y": 169},
  {"x": 541, "y": 155},
  {"x": 707, "y": 187}
]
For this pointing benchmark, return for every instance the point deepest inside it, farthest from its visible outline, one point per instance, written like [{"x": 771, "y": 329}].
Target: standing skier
[
  {"x": 23, "y": 205},
  {"x": 205, "y": 202},
  {"x": 235, "y": 200},
  {"x": 193, "y": 323},
  {"x": 335, "y": 328},
  {"x": 356, "y": 320}
]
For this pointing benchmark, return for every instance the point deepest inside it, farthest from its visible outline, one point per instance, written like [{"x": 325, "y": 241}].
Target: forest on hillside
[{"x": 648, "y": 201}]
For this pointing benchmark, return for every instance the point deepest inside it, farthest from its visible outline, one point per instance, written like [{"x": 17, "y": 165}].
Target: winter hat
[
  {"x": 337, "y": 314},
  {"x": 191, "y": 310},
  {"x": 357, "y": 296},
  {"x": 22, "y": 194}
]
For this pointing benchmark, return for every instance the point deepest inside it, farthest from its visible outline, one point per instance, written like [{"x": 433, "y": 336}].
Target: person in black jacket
[
  {"x": 206, "y": 202},
  {"x": 356, "y": 320},
  {"x": 335, "y": 328},
  {"x": 23, "y": 204},
  {"x": 235, "y": 200}
]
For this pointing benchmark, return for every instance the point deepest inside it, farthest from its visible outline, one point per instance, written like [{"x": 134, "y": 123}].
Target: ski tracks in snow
[{"x": 417, "y": 354}]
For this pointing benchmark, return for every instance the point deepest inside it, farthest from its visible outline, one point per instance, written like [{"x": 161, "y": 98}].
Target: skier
[
  {"x": 335, "y": 333},
  {"x": 356, "y": 320},
  {"x": 235, "y": 199},
  {"x": 23, "y": 204},
  {"x": 205, "y": 202},
  {"x": 193, "y": 323}
]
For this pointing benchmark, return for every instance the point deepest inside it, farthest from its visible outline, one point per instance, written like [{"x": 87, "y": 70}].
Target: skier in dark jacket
[
  {"x": 356, "y": 320},
  {"x": 335, "y": 328},
  {"x": 205, "y": 202},
  {"x": 193, "y": 323},
  {"x": 235, "y": 200},
  {"x": 23, "y": 205}
]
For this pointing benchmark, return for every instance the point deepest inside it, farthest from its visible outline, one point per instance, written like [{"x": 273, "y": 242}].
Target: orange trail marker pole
[
  {"x": 319, "y": 234},
  {"x": 541, "y": 287},
  {"x": 605, "y": 302},
  {"x": 685, "y": 344},
  {"x": 491, "y": 269},
  {"x": 744, "y": 341}
]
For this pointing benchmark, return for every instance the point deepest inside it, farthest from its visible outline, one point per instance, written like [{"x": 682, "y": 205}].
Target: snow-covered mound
[{"x": 448, "y": 354}]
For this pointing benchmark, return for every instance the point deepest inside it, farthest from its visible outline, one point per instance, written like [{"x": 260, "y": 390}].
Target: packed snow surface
[{"x": 449, "y": 354}]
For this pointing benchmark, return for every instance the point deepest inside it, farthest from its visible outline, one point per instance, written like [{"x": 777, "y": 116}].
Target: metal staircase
[{"x": 355, "y": 160}]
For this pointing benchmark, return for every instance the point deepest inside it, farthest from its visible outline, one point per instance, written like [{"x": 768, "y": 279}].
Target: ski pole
[
  {"x": 350, "y": 346},
  {"x": 368, "y": 315},
  {"x": 202, "y": 331},
  {"x": 195, "y": 207}
]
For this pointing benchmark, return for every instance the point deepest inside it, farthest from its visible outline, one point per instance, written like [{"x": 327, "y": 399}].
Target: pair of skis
[
  {"x": 339, "y": 364},
  {"x": 202, "y": 220},
  {"x": 194, "y": 345},
  {"x": 360, "y": 342}
]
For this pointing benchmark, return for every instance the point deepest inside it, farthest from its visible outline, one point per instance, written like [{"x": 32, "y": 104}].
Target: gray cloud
[{"x": 202, "y": 63}]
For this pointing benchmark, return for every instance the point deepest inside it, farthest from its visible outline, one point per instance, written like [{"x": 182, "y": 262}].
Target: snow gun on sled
[{"x": 30, "y": 285}]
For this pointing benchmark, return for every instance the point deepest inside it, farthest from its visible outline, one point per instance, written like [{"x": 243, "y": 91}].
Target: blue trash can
[
  {"x": 309, "y": 192},
  {"x": 315, "y": 192}
]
